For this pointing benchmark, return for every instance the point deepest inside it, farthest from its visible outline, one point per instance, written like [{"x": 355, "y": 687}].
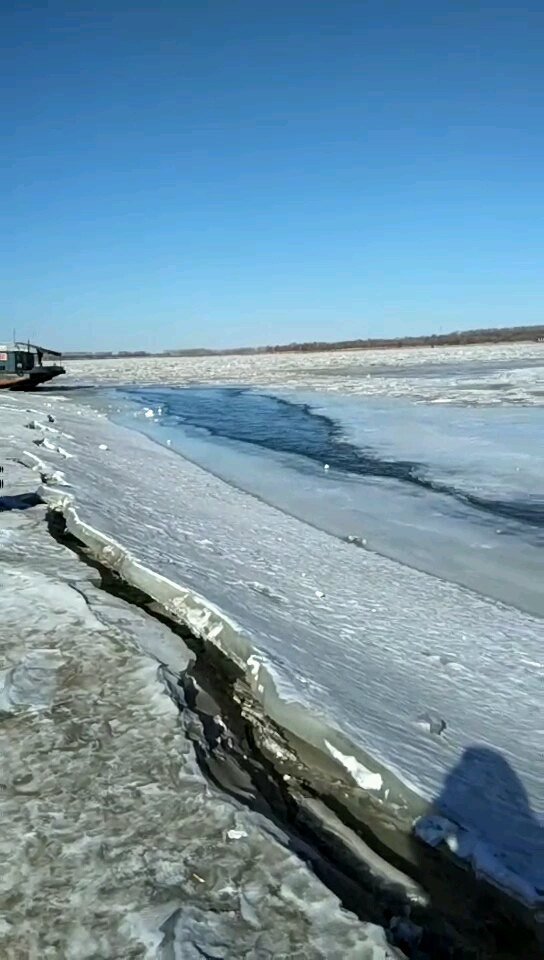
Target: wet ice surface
[
  {"x": 456, "y": 491},
  {"x": 112, "y": 844},
  {"x": 367, "y": 644}
]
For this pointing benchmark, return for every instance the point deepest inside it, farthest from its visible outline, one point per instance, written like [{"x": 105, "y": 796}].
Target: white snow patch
[
  {"x": 361, "y": 774},
  {"x": 254, "y": 665},
  {"x": 236, "y": 834}
]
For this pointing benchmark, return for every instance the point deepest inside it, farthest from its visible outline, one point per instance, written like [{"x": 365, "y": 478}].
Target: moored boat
[{"x": 22, "y": 367}]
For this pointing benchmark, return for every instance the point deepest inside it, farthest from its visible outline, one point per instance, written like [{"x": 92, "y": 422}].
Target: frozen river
[
  {"x": 410, "y": 655},
  {"x": 454, "y": 491}
]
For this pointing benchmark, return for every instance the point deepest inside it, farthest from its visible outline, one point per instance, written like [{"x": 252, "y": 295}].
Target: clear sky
[{"x": 223, "y": 173}]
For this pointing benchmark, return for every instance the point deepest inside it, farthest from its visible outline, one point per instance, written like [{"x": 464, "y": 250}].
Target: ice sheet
[{"x": 495, "y": 453}]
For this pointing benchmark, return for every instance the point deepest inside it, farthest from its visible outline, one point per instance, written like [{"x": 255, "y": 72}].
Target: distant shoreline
[{"x": 458, "y": 338}]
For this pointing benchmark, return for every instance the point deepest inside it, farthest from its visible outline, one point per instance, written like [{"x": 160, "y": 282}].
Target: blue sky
[{"x": 229, "y": 173}]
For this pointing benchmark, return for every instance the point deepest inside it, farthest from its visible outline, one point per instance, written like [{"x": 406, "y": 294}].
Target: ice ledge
[
  {"x": 210, "y": 624},
  {"x": 203, "y": 618}
]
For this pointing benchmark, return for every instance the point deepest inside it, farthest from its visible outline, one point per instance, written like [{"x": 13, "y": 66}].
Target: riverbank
[
  {"x": 113, "y": 842},
  {"x": 310, "y": 784}
]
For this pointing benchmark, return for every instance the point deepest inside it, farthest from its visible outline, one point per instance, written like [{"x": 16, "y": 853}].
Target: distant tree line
[{"x": 458, "y": 338}]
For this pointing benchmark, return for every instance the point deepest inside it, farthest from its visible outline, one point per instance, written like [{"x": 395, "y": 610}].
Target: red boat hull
[
  {"x": 9, "y": 383},
  {"x": 32, "y": 379}
]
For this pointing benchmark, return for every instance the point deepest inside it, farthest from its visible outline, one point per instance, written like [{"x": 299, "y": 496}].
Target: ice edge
[{"x": 365, "y": 776}]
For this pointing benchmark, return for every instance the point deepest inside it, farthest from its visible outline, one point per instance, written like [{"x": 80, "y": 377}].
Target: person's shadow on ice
[{"x": 500, "y": 837}]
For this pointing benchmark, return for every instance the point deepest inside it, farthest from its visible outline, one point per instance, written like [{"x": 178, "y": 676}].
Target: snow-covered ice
[{"x": 508, "y": 373}]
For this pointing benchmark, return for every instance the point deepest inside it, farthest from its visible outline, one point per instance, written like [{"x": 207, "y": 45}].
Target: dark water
[{"x": 282, "y": 426}]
